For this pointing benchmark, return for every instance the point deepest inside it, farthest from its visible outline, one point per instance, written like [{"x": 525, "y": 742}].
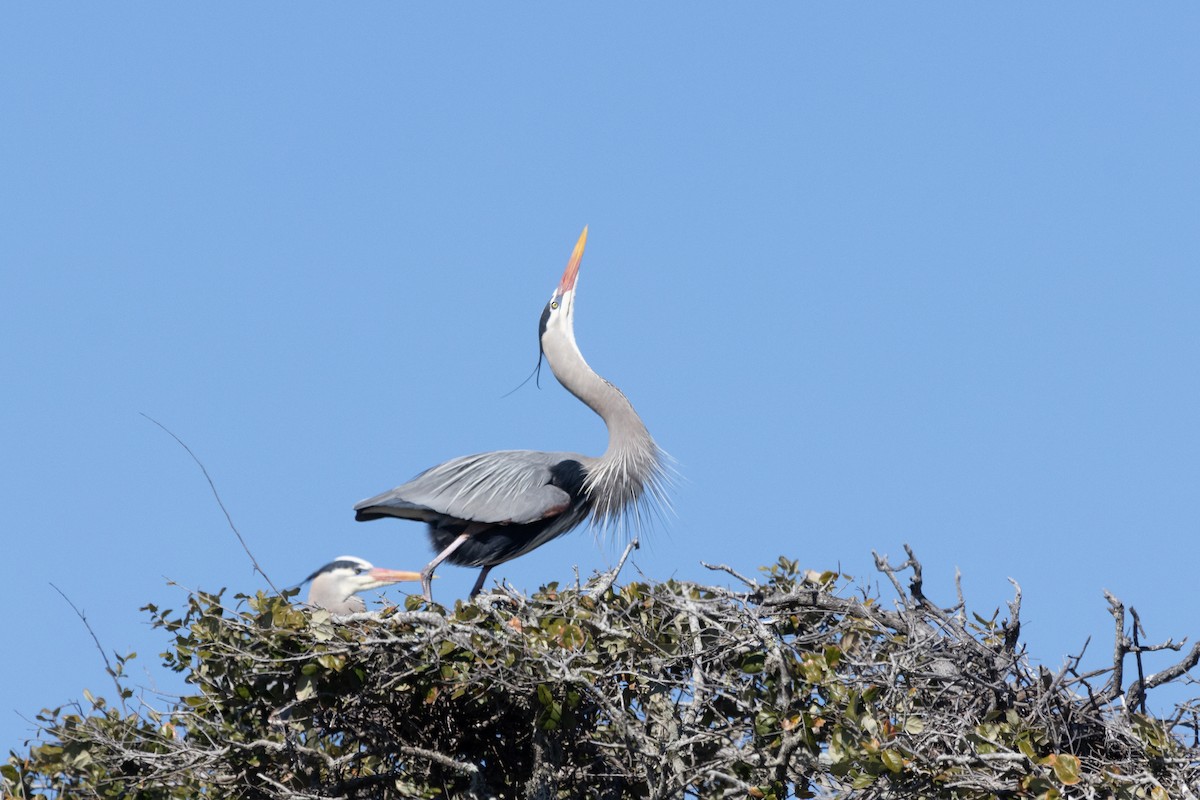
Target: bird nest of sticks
[{"x": 793, "y": 683}]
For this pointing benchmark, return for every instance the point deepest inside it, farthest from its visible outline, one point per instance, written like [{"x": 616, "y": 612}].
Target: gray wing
[{"x": 501, "y": 487}]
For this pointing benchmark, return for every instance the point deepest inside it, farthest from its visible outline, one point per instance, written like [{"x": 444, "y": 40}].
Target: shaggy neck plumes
[{"x": 628, "y": 480}]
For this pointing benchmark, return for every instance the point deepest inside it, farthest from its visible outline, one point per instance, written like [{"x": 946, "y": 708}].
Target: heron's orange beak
[
  {"x": 568, "y": 279},
  {"x": 392, "y": 575}
]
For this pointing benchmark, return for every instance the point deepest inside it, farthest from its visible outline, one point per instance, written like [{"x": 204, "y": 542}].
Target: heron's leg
[
  {"x": 483, "y": 573},
  {"x": 427, "y": 573}
]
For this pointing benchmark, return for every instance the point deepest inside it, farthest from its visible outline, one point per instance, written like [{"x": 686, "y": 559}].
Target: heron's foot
[{"x": 427, "y": 584}]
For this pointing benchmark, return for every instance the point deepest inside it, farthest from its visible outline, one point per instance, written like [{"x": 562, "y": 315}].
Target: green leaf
[
  {"x": 814, "y": 669},
  {"x": 753, "y": 663},
  {"x": 305, "y": 688},
  {"x": 766, "y": 723},
  {"x": 332, "y": 662},
  {"x": 553, "y": 718},
  {"x": 862, "y": 780},
  {"x": 1025, "y": 745},
  {"x": 833, "y": 655},
  {"x": 1151, "y": 732},
  {"x": 988, "y": 731},
  {"x": 1066, "y": 768},
  {"x": 892, "y": 760}
]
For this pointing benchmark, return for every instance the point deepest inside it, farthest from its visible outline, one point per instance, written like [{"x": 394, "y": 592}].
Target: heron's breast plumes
[{"x": 627, "y": 486}]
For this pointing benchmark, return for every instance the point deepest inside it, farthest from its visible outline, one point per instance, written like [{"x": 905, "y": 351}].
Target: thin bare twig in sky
[{"x": 217, "y": 495}]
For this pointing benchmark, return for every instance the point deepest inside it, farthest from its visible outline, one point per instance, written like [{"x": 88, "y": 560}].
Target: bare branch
[
  {"x": 1137, "y": 692},
  {"x": 108, "y": 667},
  {"x": 606, "y": 581},
  {"x": 1137, "y": 657},
  {"x": 220, "y": 503},
  {"x": 731, "y": 571}
]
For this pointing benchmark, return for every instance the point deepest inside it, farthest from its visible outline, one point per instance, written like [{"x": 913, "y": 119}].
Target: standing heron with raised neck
[{"x": 485, "y": 509}]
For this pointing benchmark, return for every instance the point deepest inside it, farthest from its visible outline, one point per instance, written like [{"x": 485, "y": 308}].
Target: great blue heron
[
  {"x": 336, "y": 585},
  {"x": 485, "y": 509}
]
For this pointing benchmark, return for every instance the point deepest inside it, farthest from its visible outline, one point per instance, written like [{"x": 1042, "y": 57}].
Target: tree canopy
[{"x": 794, "y": 683}]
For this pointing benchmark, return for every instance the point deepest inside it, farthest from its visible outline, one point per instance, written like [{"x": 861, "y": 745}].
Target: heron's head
[
  {"x": 558, "y": 317},
  {"x": 335, "y": 585}
]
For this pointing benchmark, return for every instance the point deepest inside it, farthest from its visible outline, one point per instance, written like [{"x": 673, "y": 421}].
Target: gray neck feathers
[{"x": 628, "y": 481}]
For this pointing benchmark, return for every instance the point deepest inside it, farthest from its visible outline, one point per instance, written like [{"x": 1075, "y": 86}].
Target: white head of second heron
[{"x": 336, "y": 585}]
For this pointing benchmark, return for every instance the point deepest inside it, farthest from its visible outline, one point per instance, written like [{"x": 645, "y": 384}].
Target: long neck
[
  {"x": 632, "y": 463},
  {"x": 573, "y": 372}
]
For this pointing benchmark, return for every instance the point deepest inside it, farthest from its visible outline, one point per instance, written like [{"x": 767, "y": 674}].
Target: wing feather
[{"x": 500, "y": 487}]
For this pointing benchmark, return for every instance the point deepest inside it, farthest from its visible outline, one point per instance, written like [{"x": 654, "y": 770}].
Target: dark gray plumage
[{"x": 485, "y": 509}]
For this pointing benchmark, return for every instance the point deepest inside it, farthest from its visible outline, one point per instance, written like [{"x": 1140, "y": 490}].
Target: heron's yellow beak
[
  {"x": 393, "y": 575},
  {"x": 568, "y": 279}
]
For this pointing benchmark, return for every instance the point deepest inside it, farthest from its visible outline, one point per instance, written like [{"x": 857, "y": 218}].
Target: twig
[
  {"x": 217, "y": 495},
  {"x": 1137, "y": 657},
  {"x": 1012, "y": 628},
  {"x": 961, "y": 608},
  {"x": 107, "y": 664},
  {"x": 465, "y": 767},
  {"x": 609, "y": 577},
  {"x": 1138, "y": 690},
  {"x": 916, "y": 585},
  {"x": 731, "y": 571},
  {"x": 883, "y": 565},
  {"x": 1120, "y": 647}
]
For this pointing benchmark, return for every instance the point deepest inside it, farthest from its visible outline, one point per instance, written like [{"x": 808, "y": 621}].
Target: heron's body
[
  {"x": 485, "y": 509},
  {"x": 513, "y": 500}
]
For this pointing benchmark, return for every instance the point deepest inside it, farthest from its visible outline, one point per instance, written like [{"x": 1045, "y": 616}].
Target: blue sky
[{"x": 871, "y": 273}]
